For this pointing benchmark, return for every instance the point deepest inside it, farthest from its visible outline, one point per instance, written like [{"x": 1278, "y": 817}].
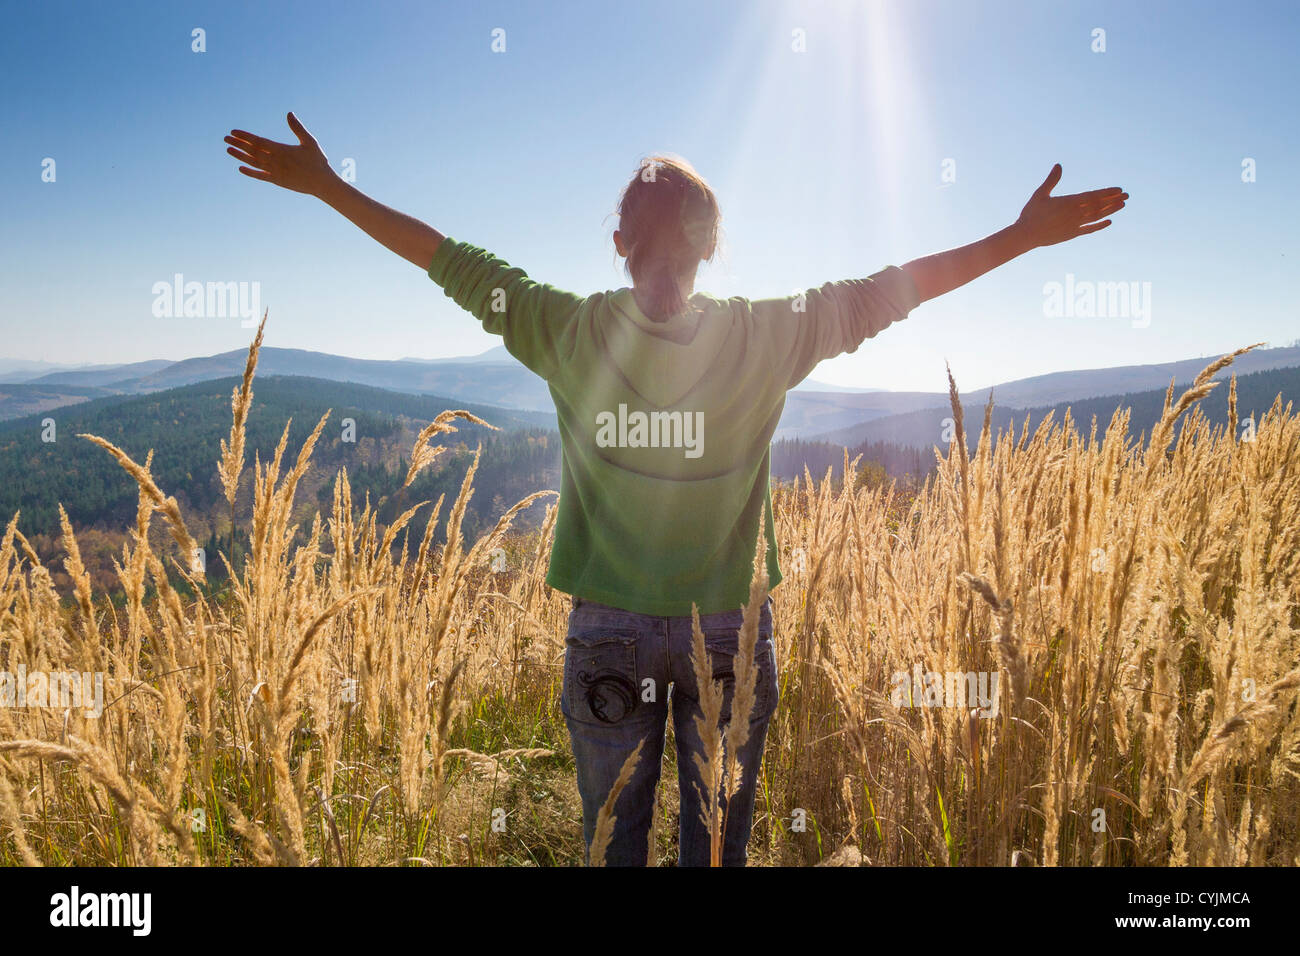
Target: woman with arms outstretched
[{"x": 667, "y": 400}]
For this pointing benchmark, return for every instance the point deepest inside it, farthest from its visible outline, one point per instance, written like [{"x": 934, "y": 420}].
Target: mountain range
[{"x": 494, "y": 378}]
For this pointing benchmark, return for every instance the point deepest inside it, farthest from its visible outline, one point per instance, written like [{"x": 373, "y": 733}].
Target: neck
[{"x": 686, "y": 284}]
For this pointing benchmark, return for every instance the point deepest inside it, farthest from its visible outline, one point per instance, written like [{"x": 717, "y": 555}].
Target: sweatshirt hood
[{"x": 663, "y": 361}]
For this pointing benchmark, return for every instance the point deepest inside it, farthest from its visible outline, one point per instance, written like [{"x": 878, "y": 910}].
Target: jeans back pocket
[
  {"x": 723, "y": 646},
  {"x": 600, "y": 675}
]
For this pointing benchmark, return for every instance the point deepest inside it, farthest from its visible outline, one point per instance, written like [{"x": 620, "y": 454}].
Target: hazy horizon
[{"x": 9, "y": 365}]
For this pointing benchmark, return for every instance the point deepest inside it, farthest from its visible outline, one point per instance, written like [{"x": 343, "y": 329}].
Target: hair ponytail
[{"x": 668, "y": 217}]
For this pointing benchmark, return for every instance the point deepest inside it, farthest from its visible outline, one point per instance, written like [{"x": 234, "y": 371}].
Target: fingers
[
  {"x": 245, "y": 157},
  {"x": 258, "y": 142},
  {"x": 1092, "y": 213},
  {"x": 1091, "y": 206},
  {"x": 304, "y": 137},
  {"x": 1096, "y": 195},
  {"x": 1094, "y": 227},
  {"x": 245, "y": 145},
  {"x": 256, "y": 174},
  {"x": 1049, "y": 183}
]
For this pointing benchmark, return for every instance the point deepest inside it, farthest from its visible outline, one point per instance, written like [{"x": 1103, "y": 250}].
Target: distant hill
[
  {"x": 812, "y": 410},
  {"x": 483, "y": 378},
  {"x": 1123, "y": 379},
  {"x": 501, "y": 384},
  {"x": 13, "y": 370},
  {"x": 101, "y": 375},
  {"x": 924, "y": 428},
  {"x": 496, "y": 354},
  {"x": 854, "y": 418},
  {"x": 27, "y": 399},
  {"x": 812, "y": 385},
  {"x": 184, "y": 428},
  {"x": 810, "y": 413}
]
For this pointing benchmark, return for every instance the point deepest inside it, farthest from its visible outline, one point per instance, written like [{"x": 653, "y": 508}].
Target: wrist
[
  {"x": 1021, "y": 238},
  {"x": 330, "y": 188}
]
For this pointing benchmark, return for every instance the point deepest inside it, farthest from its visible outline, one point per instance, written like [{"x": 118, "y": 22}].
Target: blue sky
[{"x": 827, "y": 164}]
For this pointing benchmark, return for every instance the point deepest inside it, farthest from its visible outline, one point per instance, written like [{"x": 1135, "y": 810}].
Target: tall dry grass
[
  {"x": 1141, "y": 604},
  {"x": 236, "y": 725},
  {"x": 344, "y": 702}
]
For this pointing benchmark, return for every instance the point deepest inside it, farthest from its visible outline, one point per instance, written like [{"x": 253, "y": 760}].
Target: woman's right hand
[{"x": 302, "y": 168}]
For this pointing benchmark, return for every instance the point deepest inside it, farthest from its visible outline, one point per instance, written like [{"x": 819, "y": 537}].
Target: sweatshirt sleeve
[
  {"x": 832, "y": 319},
  {"x": 531, "y": 317}
]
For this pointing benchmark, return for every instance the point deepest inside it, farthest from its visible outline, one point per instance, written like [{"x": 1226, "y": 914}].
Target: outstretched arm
[
  {"x": 1045, "y": 221},
  {"x": 535, "y": 320},
  {"x": 304, "y": 169}
]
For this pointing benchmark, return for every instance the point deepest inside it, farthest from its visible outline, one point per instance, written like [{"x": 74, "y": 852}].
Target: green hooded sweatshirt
[{"x": 665, "y": 426}]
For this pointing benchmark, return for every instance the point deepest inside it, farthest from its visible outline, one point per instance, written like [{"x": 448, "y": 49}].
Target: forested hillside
[{"x": 184, "y": 428}]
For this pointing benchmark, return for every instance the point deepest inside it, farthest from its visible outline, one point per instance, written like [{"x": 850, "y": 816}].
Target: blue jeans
[{"x": 618, "y": 668}]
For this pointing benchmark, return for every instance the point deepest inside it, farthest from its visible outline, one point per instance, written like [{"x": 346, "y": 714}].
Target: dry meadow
[{"x": 345, "y": 700}]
